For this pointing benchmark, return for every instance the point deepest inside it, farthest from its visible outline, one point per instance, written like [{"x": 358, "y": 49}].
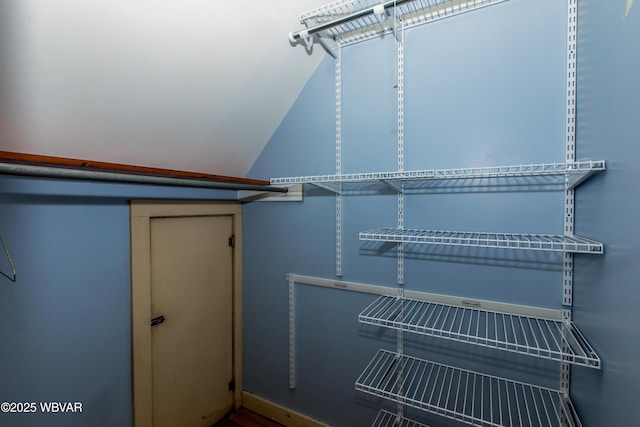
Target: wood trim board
[
  {"x": 40, "y": 160},
  {"x": 278, "y": 413}
]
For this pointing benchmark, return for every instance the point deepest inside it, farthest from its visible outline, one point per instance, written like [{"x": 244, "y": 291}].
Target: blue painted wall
[
  {"x": 65, "y": 324},
  {"x": 485, "y": 88},
  {"x": 606, "y": 290}
]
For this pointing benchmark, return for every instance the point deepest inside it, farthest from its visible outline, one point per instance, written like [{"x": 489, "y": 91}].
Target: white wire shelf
[
  {"x": 471, "y": 397},
  {"x": 533, "y": 336},
  {"x": 352, "y": 21},
  {"x": 571, "y": 173},
  {"x": 534, "y": 242},
  {"x": 387, "y": 419}
]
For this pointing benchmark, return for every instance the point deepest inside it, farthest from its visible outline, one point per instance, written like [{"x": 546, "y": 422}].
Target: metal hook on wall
[{"x": 13, "y": 270}]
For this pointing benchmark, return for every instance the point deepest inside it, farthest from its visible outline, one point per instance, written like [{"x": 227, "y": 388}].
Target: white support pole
[
  {"x": 292, "y": 334},
  {"x": 569, "y": 196},
  {"x": 338, "y": 69},
  {"x": 399, "y": 32},
  {"x": 400, "y": 88}
]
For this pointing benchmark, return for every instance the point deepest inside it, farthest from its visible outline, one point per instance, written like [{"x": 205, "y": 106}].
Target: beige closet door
[{"x": 192, "y": 302}]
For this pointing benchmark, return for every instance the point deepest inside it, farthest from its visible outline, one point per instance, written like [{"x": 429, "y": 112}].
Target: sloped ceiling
[{"x": 197, "y": 85}]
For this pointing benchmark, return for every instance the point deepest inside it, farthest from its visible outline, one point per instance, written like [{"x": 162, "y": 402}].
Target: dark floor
[{"x": 245, "y": 418}]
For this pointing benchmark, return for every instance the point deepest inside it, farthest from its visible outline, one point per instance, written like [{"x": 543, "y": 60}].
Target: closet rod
[
  {"x": 64, "y": 173},
  {"x": 345, "y": 19}
]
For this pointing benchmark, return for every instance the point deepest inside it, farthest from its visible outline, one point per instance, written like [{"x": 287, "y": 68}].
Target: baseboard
[{"x": 278, "y": 413}]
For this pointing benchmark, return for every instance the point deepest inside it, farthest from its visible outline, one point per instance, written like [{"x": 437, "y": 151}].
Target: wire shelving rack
[
  {"x": 533, "y": 242},
  {"x": 558, "y": 340},
  {"x": 471, "y": 397},
  {"x": 353, "y": 21},
  {"x": 571, "y": 173}
]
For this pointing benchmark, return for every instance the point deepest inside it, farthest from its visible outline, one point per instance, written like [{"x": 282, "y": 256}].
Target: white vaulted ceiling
[{"x": 197, "y": 85}]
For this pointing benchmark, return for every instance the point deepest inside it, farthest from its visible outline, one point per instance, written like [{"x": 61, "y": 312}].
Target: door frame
[{"x": 141, "y": 214}]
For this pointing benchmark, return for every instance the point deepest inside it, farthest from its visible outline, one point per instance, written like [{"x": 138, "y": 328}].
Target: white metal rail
[
  {"x": 338, "y": 82},
  {"x": 292, "y": 332},
  {"x": 569, "y": 193},
  {"x": 399, "y": 34},
  {"x": 474, "y": 398},
  {"x": 537, "y": 242},
  {"x": 544, "y": 338}
]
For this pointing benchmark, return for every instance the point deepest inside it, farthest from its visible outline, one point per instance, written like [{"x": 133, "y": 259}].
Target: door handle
[{"x": 157, "y": 320}]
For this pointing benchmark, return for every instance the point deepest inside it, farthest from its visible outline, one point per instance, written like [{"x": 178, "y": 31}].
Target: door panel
[{"x": 192, "y": 350}]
